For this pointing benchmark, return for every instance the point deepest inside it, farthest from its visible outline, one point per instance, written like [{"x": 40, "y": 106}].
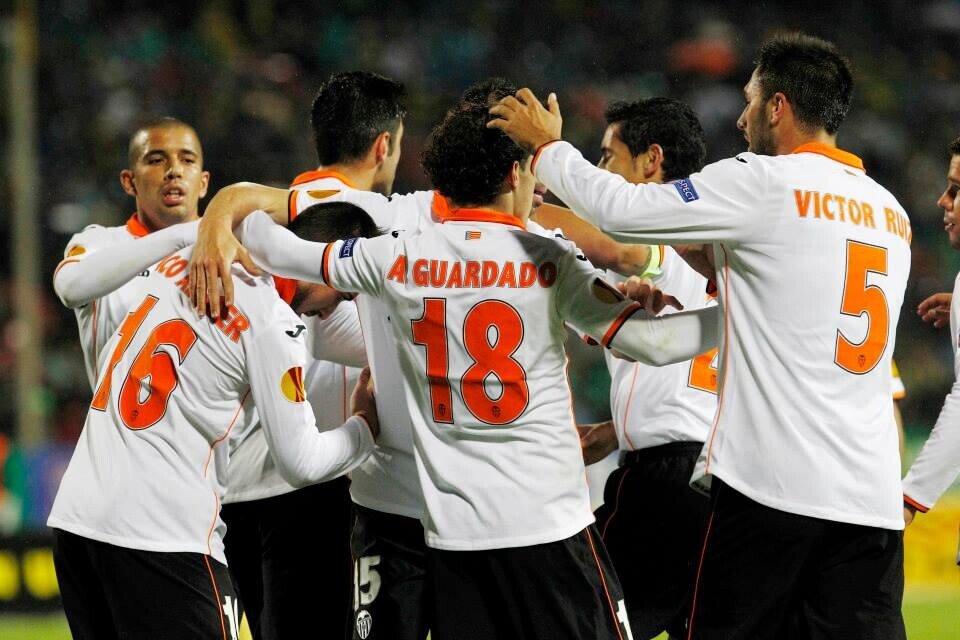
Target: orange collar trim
[
  {"x": 135, "y": 227},
  {"x": 439, "y": 207},
  {"x": 319, "y": 174},
  {"x": 844, "y": 157},
  {"x": 481, "y": 215}
]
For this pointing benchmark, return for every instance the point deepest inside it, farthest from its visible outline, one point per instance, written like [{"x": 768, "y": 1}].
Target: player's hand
[
  {"x": 908, "y": 515},
  {"x": 652, "y": 300},
  {"x": 936, "y": 309},
  {"x": 362, "y": 402},
  {"x": 526, "y": 121},
  {"x": 699, "y": 257},
  {"x": 597, "y": 441},
  {"x": 215, "y": 250}
]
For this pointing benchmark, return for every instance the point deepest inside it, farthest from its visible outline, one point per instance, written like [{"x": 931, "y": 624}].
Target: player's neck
[
  {"x": 797, "y": 138},
  {"x": 360, "y": 175},
  {"x": 503, "y": 204}
]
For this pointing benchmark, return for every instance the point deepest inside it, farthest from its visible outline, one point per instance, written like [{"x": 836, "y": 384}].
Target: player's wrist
[
  {"x": 539, "y": 146},
  {"x": 365, "y": 417}
]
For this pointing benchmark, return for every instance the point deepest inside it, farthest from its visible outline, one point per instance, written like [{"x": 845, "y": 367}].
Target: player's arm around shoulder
[{"x": 275, "y": 359}]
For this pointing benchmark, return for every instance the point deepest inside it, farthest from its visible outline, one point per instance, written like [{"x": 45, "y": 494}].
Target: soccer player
[
  {"x": 165, "y": 176},
  {"x": 285, "y": 586},
  {"x": 478, "y": 308},
  {"x": 812, "y": 260},
  {"x": 138, "y": 539},
  {"x": 661, "y": 415},
  {"x": 390, "y": 568},
  {"x": 938, "y": 464}
]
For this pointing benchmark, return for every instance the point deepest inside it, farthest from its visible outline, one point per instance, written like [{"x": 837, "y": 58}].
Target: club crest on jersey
[
  {"x": 364, "y": 624},
  {"x": 76, "y": 251},
  {"x": 685, "y": 188},
  {"x": 320, "y": 194},
  {"x": 346, "y": 251},
  {"x": 291, "y": 385}
]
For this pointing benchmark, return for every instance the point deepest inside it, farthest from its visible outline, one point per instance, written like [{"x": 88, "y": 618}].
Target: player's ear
[
  {"x": 650, "y": 161},
  {"x": 513, "y": 178},
  {"x": 381, "y": 147},
  {"x": 778, "y": 107},
  {"x": 204, "y": 183},
  {"x": 126, "y": 181}
]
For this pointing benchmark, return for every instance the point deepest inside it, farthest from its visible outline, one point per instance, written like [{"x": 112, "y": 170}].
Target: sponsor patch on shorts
[{"x": 686, "y": 190}]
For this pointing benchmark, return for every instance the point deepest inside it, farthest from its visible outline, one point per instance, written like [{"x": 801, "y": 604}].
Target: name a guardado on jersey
[
  {"x": 831, "y": 206},
  {"x": 472, "y": 274},
  {"x": 231, "y": 325}
]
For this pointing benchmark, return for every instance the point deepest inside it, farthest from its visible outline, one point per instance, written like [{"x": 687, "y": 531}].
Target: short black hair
[
  {"x": 955, "y": 147},
  {"x": 350, "y": 110},
  {"x": 667, "y": 122},
  {"x": 330, "y": 221},
  {"x": 165, "y": 122},
  {"x": 812, "y": 73},
  {"x": 466, "y": 161}
]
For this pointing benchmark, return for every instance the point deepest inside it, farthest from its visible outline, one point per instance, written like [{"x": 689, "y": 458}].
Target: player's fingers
[
  {"x": 243, "y": 257},
  {"x": 511, "y": 103},
  {"x": 670, "y": 301},
  {"x": 940, "y": 323},
  {"x": 498, "y": 123},
  {"x": 500, "y": 110},
  {"x": 526, "y": 97},
  {"x": 199, "y": 282},
  {"x": 216, "y": 271},
  {"x": 553, "y": 105}
]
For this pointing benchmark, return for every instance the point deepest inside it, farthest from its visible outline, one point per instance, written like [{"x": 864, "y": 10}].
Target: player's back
[
  {"x": 481, "y": 309},
  {"x": 811, "y": 293},
  {"x": 150, "y": 465}
]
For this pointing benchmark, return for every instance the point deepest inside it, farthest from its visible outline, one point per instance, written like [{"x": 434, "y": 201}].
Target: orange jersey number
[
  {"x": 860, "y": 298},
  {"x": 153, "y": 370},
  {"x": 703, "y": 373},
  {"x": 492, "y": 333}
]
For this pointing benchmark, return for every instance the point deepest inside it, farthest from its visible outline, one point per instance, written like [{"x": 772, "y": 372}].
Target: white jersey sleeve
[
  {"x": 395, "y": 212},
  {"x": 91, "y": 270},
  {"x": 303, "y": 455},
  {"x": 338, "y": 338},
  {"x": 938, "y": 464},
  {"x": 716, "y": 204}
]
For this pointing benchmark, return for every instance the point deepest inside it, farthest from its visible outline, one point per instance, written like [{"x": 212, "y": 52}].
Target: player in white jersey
[
  {"x": 165, "y": 176},
  {"x": 660, "y": 415},
  {"x": 812, "y": 261},
  {"x": 390, "y": 571},
  {"x": 938, "y": 463},
  {"x": 287, "y": 586},
  {"x": 139, "y": 549},
  {"x": 478, "y": 308}
]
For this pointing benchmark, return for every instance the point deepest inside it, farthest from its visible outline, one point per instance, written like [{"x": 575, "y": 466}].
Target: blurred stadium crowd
[{"x": 243, "y": 73}]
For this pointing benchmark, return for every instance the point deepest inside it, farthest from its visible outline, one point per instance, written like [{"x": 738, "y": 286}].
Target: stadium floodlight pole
[{"x": 24, "y": 168}]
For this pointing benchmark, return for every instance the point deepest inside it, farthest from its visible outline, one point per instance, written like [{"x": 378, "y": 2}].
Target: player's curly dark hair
[
  {"x": 350, "y": 110},
  {"x": 464, "y": 160},
  {"x": 955, "y": 147},
  {"x": 812, "y": 73},
  {"x": 667, "y": 122}
]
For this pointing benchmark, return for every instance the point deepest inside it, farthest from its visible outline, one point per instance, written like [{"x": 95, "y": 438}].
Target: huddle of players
[{"x": 473, "y": 499}]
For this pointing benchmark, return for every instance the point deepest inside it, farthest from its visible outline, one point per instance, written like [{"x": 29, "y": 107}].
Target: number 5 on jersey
[
  {"x": 860, "y": 298},
  {"x": 153, "y": 369},
  {"x": 492, "y": 333}
]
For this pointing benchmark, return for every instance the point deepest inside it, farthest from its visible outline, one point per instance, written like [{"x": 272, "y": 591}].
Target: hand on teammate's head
[
  {"x": 652, "y": 299},
  {"x": 524, "y": 118},
  {"x": 362, "y": 402}
]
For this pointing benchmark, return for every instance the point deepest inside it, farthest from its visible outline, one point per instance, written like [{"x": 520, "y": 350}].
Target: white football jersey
[
  {"x": 652, "y": 406},
  {"x": 149, "y": 469},
  {"x": 387, "y": 481},
  {"x": 253, "y": 475},
  {"x": 478, "y": 308},
  {"x": 99, "y": 319},
  {"x": 812, "y": 260},
  {"x": 938, "y": 463}
]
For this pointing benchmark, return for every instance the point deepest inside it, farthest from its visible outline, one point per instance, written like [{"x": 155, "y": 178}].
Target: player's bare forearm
[
  {"x": 216, "y": 247},
  {"x": 602, "y": 250}
]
